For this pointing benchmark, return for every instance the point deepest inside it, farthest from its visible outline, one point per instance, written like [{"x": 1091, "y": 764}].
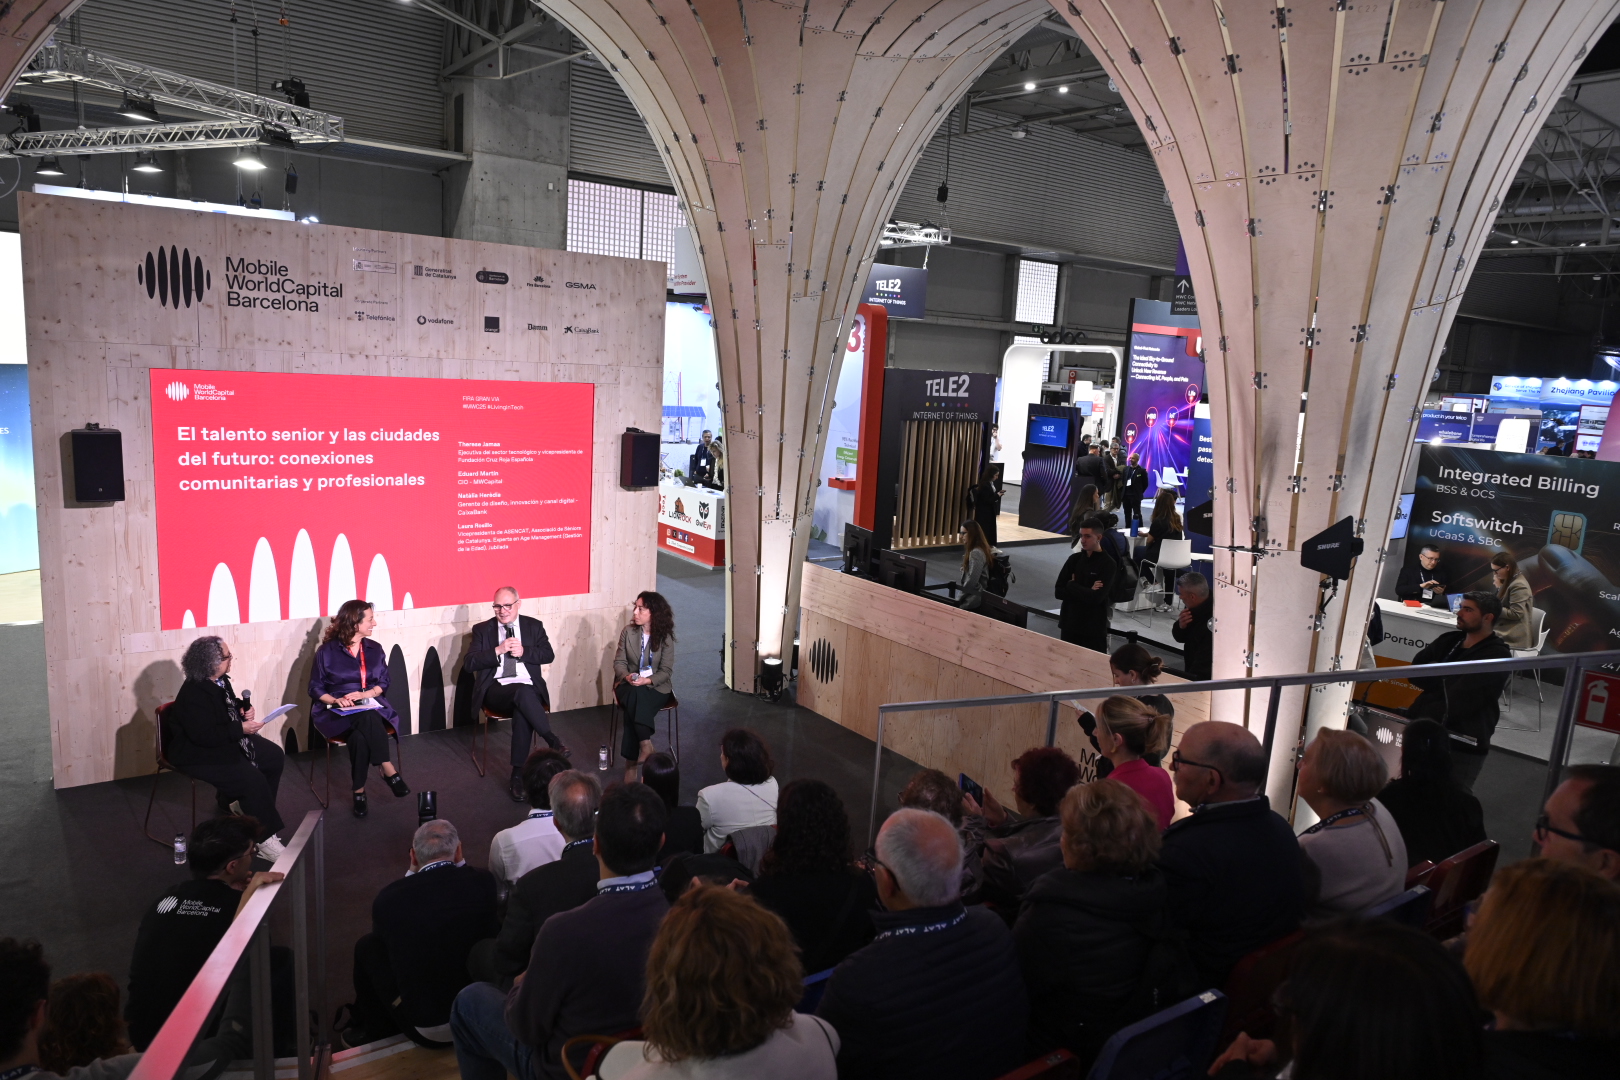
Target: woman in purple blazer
[{"x": 350, "y": 669}]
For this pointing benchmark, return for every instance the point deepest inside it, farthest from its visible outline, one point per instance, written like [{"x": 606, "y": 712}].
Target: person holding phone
[
  {"x": 642, "y": 669},
  {"x": 351, "y": 672},
  {"x": 1425, "y": 582},
  {"x": 1085, "y": 585}
]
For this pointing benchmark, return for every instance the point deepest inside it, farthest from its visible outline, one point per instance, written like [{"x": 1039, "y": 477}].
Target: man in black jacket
[
  {"x": 938, "y": 992},
  {"x": 1192, "y": 627},
  {"x": 700, "y": 467},
  {"x": 1424, "y": 582},
  {"x": 1465, "y": 704},
  {"x": 1086, "y": 586},
  {"x": 588, "y": 969},
  {"x": 408, "y": 970},
  {"x": 1091, "y": 467},
  {"x": 1236, "y": 875},
  {"x": 1133, "y": 485},
  {"x": 506, "y": 655}
]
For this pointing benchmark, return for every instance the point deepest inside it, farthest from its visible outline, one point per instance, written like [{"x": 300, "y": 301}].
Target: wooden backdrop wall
[{"x": 93, "y": 336}]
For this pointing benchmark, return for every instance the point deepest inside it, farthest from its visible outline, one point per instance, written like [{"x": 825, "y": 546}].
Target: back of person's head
[
  {"x": 1088, "y": 497},
  {"x": 1598, "y": 819},
  {"x": 1487, "y": 602},
  {"x": 812, "y": 831},
  {"x": 1379, "y": 1001},
  {"x": 435, "y": 841},
  {"x": 83, "y": 1023},
  {"x": 1347, "y": 767},
  {"x": 538, "y": 770},
  {"x": 748, "y": 759},
  {"x": 722, "y": 977},
  {"x": 1231, "y": 748},
  {"x": 1544, "y": 950},
  {"x": 662, "y": 773},
  {"x": 219, "y": 840},
  {"x": 1108, "y": 828},
  {"x": 922, "y": 852},
  {"x": 25, "y": 981},
  {"x": 1043, "y": 776},
  {"x": 575, "y": 797},
  {"x": 931, "y": 789},
  {"x": 1426, "y": 753},
  {"x": 630, "y": 828},
  {"x": 1138, "y": 661},
  {"x": 1144, "y": 729}
]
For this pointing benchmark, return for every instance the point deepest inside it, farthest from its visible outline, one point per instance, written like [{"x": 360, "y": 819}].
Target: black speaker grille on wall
[
  {"x": 98, "y": 465},
  {"x": 823, "y": 660},
  {"x": 638, "y": 459}
]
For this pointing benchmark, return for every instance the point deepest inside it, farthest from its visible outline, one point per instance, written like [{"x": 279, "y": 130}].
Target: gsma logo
[
  {"x": 177, "y": 391},
  {"x": 173, "y": 276}
]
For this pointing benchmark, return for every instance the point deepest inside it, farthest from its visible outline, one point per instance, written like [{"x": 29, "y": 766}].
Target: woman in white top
[
  {"x": 747, "y": 798},
  {"x": 1356, "y": 845},
  {"x": 722, "y": 979}
]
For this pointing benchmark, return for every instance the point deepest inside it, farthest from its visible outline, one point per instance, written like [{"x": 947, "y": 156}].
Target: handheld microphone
[{"x": 247, "y": 700}]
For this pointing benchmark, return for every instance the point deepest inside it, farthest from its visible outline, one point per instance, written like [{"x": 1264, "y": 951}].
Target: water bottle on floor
[
  {"x": 179, "y": 849},
  {"x": 601, "y": 760}
]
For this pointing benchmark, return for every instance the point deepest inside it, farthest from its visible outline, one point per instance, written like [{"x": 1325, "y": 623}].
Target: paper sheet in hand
[{"x": 369, "y": 703}]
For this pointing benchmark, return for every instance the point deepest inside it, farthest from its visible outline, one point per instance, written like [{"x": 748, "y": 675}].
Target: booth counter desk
[
  {"x": 1407, "y": 632},
  {"x": 692, "y": 523}
]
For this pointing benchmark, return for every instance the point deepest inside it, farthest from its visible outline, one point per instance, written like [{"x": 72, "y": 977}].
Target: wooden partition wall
[
  {"x": 939, "y": 463},
  {"x": 862, "y": 645},
  {"x": 93, "y": 335}
]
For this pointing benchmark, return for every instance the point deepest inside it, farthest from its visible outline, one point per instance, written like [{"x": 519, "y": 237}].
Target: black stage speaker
[
  {"x": 638, "y": 459},
  {"x": 98, "y": 464}
]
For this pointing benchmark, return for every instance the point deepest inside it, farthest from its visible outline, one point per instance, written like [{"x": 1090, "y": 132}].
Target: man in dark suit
[
  {"x": 1133, "y": 485},
  {"x": 1091, "y": 468},
  {"x": 700, "y": 468},
  {"x": 587, "y": 971},
  {"x": 1192, "y": 626},
  {"x": 408, "y": 970},
  {"x": 506, "y": 655}
]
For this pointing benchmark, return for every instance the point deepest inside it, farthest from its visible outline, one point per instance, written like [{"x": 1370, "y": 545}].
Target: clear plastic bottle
[
  {"x": 179, "y": 849},
  {"x": 602, "y": 760}
]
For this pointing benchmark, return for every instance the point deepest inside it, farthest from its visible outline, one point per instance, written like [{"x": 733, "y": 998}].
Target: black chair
[
  {"x": 1410, "y": 908},
  {"x": 163, "y": 766},
  {"x": 343, "y": 740},
  {"x": 672, "y": 738},
  {"x": 1177, "y": 1043}
]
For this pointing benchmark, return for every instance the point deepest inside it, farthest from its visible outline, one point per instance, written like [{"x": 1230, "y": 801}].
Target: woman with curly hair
[
  {"x": 642, "y": 669},
  {"x": 722, "y": 981},
  {"x": 808, "y": 878},
  {"x": 82, "y": 1023},
  {"x": 351, "y": 673}
]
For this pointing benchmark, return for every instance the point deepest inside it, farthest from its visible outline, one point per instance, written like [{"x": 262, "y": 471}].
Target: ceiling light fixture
[
  {"x": 1029, "y": 86},
  {"x": 248, "y": 160},
  {"x": 1581, "y": 244},
  {"x": 146, "y": 163},
  {"x": 1513, "y": 241},
  {"x": 142, "y": 109},
  {"x": 1063, "y": 89},
  {"x": 1019, "y": 132},
  {"x": 49, "y": 166}
]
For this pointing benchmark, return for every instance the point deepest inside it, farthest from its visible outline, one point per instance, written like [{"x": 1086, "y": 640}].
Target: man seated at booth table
[
  {"x": 535, "y": 840},
  {"x": 1465, "y": 705},
  {"x": 1425, "y": 581},
  {"x": 506, "y": 654},
  {"x": 588, "y": 969},
  {"x": 1192, "y": 628}
]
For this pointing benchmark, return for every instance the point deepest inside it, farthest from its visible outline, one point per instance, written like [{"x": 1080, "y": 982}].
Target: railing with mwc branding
[{"x": 195, "y": 1034}]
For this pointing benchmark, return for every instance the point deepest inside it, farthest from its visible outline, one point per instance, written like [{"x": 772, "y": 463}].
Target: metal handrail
[
  {"x": 1571, "y": 663},
  {"x": 303, "y": 859}
]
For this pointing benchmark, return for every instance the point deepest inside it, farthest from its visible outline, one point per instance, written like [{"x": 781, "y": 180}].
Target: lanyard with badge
[{"x": 646, "y": 661}]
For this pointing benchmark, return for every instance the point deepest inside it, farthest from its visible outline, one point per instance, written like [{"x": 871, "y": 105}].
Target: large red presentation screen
[{"x": 280, "y": 496}]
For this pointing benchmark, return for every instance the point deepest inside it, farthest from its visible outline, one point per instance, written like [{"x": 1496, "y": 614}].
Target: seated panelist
[
  {"x": 642, "y": 668},
  {"x": 351, "y": 670},
  {"x": 506, "y": 657}
]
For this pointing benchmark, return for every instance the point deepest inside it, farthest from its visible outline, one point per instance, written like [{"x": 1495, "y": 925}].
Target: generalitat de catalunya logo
[
  {"x": 174, "y": 277},
  {"x": 177, "y": 391}
]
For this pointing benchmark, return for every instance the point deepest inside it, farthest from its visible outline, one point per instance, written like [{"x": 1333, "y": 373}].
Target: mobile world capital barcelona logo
[
  {"x": 173, "y": 277},
  {"x": 177, "y": 391}
]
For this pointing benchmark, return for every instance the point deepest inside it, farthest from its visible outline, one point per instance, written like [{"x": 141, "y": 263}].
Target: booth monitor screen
[{"x": 1049, "y": 431}]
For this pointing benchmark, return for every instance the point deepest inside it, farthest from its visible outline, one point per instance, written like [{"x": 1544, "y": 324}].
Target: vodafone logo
[{"x": 177, "y": 391}]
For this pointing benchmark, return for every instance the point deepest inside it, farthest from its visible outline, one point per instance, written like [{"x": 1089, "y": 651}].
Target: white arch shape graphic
[
  {"x": 188, "y": 621},
  {"x": 340, "y": 585},
  {"x": 408, "y": 603},
  {"x": 224, "y": 608},
  {"x": 264, "y": 590},
  {"x": 303, "y": 586},
  {"x": 379, "y": 585}
]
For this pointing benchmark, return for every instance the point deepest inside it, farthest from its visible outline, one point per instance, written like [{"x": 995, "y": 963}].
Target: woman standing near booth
[
  {"x": 1514, "y": 625},
  {"x": 642, "y": 669},
  {"x": 350, "y": 670}
]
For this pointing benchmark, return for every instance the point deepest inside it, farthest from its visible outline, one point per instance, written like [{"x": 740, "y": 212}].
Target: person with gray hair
[
  {"x": 938, "y": 992},
  {"x": 408, "y": 970},
  {"x": 1194, "y": 626},
  {"x": 212, "y": 735}
]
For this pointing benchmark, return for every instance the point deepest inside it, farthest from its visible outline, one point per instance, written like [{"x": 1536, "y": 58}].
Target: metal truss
[
  {"x": 488, "y": 32},
  {"x": 60, "y": 62},
  {"x": 212, "y": 133},
  {"x": 1565, "y": 193},
  {"x": 910, "y": 234}
]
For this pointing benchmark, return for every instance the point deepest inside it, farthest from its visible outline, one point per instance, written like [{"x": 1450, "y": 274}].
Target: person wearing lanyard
[
  {"x": 505, "y": 658},
  {"x": 1465, "y": 704},
  {"x": 26, "y": 979},
  {"x": 1356, "y": 846},
  {"x": 641, "y": 676},
  {"x": 351, "y": 672}
]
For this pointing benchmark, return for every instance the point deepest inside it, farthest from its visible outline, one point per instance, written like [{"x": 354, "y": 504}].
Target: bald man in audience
[
  {"x": 1580, "y": 823},
  {"x": 1237, "y": 876}
]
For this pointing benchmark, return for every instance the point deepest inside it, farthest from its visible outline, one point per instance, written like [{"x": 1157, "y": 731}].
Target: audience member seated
[
  {"x": 408, "y": 970},
  {"x": 930, "y": 789},
  {"x": 683, "y": 830},
  {"x": 1235, "y": 872},
  {"x": 25, "y": 985},
  {"x": 535, "y": 840},
  {"x": 1580, "y": 822},
  {"x": 748, "y": 796},
  {"x": 83, "y": 1024},
  {"x": 1130, "y": 665},
  {"x": 182, "y": 926},
  {"x": 1134, "y": 737},
  {"x": 1437, "y": 818},
  {"x": 1356, "y": 845},
  {"x": 557, "y": 886},
  {"x": 1024, "y": 845},
  {"x": 938, "y": 992},
  {"x": 1086, "y": 931},
  {"x": 722, "y": 980},
  {"x": 808, "y": 878},
  {"x": 1368, "y": 1001},
  {"x": 1544, "y": 954},
  {"x": 588, "y": 969}
]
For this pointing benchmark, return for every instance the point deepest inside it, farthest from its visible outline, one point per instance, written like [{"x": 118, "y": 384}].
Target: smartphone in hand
[{"x": 971, "y": 786}]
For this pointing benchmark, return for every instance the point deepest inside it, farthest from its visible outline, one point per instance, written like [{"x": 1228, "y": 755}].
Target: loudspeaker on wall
[
  {"x": 638, "y": 459},
  {"x": 96, "y": 460}
]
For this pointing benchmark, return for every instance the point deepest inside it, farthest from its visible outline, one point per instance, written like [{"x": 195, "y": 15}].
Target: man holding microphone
[{"x": 506, "y": 657}]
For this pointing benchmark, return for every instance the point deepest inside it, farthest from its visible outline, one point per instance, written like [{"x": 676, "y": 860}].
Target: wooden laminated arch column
[{"x": 1335, "y": 169}]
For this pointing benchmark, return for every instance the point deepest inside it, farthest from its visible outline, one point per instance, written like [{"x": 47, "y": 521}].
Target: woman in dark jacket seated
[
  {"x": 351, "y": 670},
  {"x": 809, "y": 879},
  {"x": 1437, "y": 817},
  {"x": 683, "y": 829},
  {"x": 1086, "y": 931},
  {"x": 1024, "y": 845},
  {"x": 211, "y": 734}
]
